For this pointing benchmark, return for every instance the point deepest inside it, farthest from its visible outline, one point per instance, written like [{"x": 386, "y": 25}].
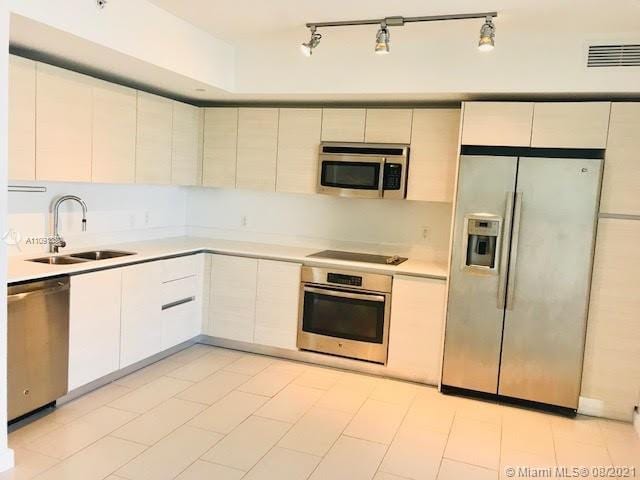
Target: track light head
[
  {"x": 382, "y": 40},
  {"x": 307, "y": 47},
  {"x": 487, "y": 36}
]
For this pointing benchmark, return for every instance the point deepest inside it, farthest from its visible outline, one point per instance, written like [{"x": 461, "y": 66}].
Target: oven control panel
[{"x": 342, "y": 279}]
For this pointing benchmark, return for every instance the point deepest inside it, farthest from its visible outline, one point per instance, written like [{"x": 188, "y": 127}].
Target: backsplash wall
[
  {"x": 116, "y": 213},
  {"x": 384, "y": 226}
]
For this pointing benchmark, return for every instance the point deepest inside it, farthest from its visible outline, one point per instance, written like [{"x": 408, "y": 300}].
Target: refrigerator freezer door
[
  {"x": 548, "y": 285},
  {"x": 475, "y": 316}
]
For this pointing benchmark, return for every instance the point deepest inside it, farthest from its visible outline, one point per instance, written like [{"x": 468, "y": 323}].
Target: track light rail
[{"x": 399, "y": 21}]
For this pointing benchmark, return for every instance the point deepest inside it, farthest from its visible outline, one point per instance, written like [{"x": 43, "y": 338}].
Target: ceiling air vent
[{"x": 614, "y": 56}]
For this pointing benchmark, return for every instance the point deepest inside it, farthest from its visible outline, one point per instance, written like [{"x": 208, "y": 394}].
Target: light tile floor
[{"x": 210, "y": 413}]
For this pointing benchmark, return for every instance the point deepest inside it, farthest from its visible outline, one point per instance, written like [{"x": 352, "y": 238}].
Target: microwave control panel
[{"x": 392, "y": 176}]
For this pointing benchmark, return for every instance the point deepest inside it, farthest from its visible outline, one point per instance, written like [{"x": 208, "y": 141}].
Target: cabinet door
[
  {"x": 114, "y": 133},
  {"x": 612, "y": 357},
  {"x": 257, "y": 148},
  {"x": 621, "y": 181},
  {"x": 141, "y": 334},
  {"x": 22, "y": 119},
  {"x": 298, "y": 142},
  {"x": 343, "y": 124},
  {"x": 434, "y": 154},
  {"x": 153, "y": 143},
  {"x": 570, "y": 124},
  {"x": 63, "y": 125},
  {"x": 497, "y": 123},
  {"x": 186, "y": 160},
  {"x": 220, "y": 145},
  {"x": 415, "y": 335},
  {"x": 388, "y": 125},
  {"x": 232, "y": 300},
  {"x": 277, "y": 302},
  {"x": 94, "y": 326}
]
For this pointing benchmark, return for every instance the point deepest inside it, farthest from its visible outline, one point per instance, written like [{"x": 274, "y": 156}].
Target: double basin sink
[{"x": 81, "y": 257}]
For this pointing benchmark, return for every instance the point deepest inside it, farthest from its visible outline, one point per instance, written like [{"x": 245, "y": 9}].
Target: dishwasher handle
[{"x": 56, "y": 288}]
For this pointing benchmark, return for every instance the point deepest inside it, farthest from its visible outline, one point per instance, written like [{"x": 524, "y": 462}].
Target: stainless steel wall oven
[{"x": 345, "y": 313}]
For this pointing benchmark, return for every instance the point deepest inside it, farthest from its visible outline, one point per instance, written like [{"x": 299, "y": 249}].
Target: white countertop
[{"x": 20, "y": 269}]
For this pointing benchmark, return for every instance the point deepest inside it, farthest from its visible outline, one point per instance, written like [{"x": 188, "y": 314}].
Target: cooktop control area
[{"x": 359, "y": 257}]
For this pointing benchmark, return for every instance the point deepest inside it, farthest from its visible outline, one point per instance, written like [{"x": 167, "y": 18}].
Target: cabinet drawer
[
  {"x": 180, "y": 323},
  {"x": 180, "y": 267},
  {"x": 179, "y": 289}
]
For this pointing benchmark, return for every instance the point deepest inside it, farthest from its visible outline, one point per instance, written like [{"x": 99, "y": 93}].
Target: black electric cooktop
[{"x": 359, "y": 257}]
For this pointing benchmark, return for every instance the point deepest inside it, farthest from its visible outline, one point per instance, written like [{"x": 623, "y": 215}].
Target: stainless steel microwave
[{"x": 363, "y": 170}]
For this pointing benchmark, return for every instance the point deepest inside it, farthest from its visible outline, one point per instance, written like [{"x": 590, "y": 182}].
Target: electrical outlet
[
  {"x": 425, "y": 233},
  {"x": 243, "y": 221},
  {"x": 147, "y": 218}
]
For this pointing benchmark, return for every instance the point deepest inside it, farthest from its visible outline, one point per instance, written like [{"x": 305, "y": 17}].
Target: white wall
[
  {"x": 6, "y": 455},
  {"x": 142, "y": 31},
  {"x": 387, "y": 226},
  {"x": 116, "y": 214}
]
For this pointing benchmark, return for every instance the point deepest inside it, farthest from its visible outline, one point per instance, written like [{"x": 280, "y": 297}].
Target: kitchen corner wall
[
  {"x": 384, "y": 226},
  {"x": 116, "y": 214}
]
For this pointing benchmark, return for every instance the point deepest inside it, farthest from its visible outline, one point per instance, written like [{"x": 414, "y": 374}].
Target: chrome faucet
[{"x": 56, "y": 242}]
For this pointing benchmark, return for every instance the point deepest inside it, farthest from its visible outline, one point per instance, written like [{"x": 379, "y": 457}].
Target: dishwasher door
[{"x": 38, "y": 344}]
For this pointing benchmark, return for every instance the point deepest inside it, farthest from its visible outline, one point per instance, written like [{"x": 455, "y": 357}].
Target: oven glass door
[
  {"x": 347, "y": 174},
  {"x": 344, "y": 314}
]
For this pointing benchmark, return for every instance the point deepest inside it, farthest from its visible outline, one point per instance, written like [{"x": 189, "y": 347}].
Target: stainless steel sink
[
  {"x": 100, "y": 254},
  {"x": 58, "y": 260}
]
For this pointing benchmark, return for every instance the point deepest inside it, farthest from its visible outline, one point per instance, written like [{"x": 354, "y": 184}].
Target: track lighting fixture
[
  {"x": 487, "y": 32},
  {"x": 487, "y": 36},
  {"x": 314, "y": 41},
  {"x": 101, "y": 4},
  {"x": 382, "y": 40}
]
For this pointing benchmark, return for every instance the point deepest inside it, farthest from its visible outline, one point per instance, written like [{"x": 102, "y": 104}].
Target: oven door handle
[
  {"x": 337, "y": 293},
  {"x": 383, "y": 162}
]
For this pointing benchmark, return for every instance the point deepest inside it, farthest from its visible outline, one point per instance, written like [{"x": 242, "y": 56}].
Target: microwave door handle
[
  {"x": 383, "y": 162},
  {"x": 338, "y": 293}
]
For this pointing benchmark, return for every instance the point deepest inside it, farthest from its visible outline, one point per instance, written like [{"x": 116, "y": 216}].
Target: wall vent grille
[{"x": 614, "y": 56}]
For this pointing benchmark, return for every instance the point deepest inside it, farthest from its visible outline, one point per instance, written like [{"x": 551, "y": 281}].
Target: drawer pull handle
[{"x": 178, "y": 302}]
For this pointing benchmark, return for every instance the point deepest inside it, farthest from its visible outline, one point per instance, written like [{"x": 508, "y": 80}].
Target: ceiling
[{"x": 246, "y": 20}]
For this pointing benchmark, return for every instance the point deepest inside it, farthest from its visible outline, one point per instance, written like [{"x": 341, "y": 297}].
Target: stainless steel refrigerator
[{"x": 523, "y": 241}]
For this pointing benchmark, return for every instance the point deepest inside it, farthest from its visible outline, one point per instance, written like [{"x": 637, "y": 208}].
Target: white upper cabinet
[
  {"x": 141, "y": 327},
  {"x": 415, "y": 335},
  {"x": 114, "y": 133},
  {"x": 497, "y": 123},
  {"x": 434, "y": 154},
  {"x": 257, "y": 148},
  {"x": 277, "y": 301},
  {"x": 388, "y": 125},
  {"x": 153, "y": 143},
  {"x": 94, "y": 326},
  {"x": 570, "y": 124},
  {"x": 220, "y": 147},
  {"x": 22, "y": 119},
  {"x": 64, "y": 106},
  {"x": 621, "y": 181},
  {"x": 232, "y": 298},
  {"x": 298, "y": 142},
  {"x": 343, "y": 124},
  {"x": 186, "y": 160}
]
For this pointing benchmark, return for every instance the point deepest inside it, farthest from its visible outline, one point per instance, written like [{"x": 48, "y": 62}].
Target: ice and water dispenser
[{"x": 482, "y": 242}]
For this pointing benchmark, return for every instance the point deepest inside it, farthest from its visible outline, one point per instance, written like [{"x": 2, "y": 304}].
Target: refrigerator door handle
[
  {"x": 513, "y": 261},
  {"x": 504, "y": 254}
]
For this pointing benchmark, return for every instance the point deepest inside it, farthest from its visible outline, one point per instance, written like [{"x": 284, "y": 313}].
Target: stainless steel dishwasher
[{"x": 38, "y": 346}]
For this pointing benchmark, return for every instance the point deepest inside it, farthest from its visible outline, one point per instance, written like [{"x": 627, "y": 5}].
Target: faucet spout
[{"x": 57, "y": 241}]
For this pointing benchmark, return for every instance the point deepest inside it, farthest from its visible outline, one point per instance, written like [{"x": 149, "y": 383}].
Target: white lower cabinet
[
  {"x": 232, "y": 299},
  {"x": 254, "y": 301},
  {"x": 278, "y": 293},
  {"x": 141, "y": 335},
  {"x": 182, "y": 292},
  {"x": 415, "y": 335},
  {"x": 94, "y": 326}
]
